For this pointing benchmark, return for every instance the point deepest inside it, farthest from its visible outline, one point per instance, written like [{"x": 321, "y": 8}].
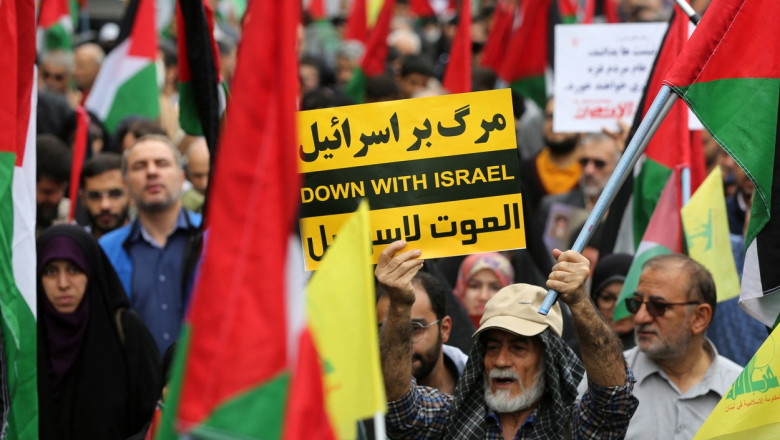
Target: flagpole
[
  {"x": 655, "y": 115},
  {"x": 689, "y": 11},
  {"x": 685, "y": 180},
  {"x": 379, "y": 426}
]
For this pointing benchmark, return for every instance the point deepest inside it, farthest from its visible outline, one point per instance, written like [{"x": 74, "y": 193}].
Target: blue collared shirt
[{"x": 157, "y": 281}]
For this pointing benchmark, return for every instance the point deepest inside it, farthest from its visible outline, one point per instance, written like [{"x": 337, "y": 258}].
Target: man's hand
[
  {"x": 568, "y": 276},
  {"x": 601, "y": 351},
  {"x": 395, "y": 272},
  {"x": 620, "y": 136}
]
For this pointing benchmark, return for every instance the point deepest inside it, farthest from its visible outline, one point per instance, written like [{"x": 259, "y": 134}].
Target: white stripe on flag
[{"x": 117, "y": 68}]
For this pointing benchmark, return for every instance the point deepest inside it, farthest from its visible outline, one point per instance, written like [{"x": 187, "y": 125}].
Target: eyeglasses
[
  {"x": 98, "y": 195},
  {"x": 418, "y": 329},
  {"x": 655, "y": 308},
  {"x": 56, "y": 76},
  {"x": 598, "y": 163}
]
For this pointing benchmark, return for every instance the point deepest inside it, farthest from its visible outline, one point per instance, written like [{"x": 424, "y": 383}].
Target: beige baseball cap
[{"x": 515, "y": 308}]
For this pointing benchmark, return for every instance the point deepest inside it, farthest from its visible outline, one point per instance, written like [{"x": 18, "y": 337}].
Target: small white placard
[{"x": 600, "y": 73}]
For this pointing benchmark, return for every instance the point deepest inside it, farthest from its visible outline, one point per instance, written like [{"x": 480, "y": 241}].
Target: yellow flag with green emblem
[
  {"x": 707, "y": 234},
  {"x": 341, "y": 311},
  {"x": 751, "y": 409}
]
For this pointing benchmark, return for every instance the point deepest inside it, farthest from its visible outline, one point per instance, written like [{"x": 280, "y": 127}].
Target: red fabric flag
[
  {"x": 357, "y": 26},
  {"x": 79, "y": 151},
  {"x": 457, "y": 77},
  {"x": 374, "y": 60},
  {"x": 232, "y": 373},
  {"x": 526, "y": 58},
  {"x": 496, "y": 44},
  {"x": 316, "y": 9},
  {"x": 421, "y": 8}
]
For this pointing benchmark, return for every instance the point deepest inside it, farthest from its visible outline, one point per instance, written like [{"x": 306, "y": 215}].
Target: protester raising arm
[
  {"x": 602, "y": 353},
  {"x": 395, "y": 271}
]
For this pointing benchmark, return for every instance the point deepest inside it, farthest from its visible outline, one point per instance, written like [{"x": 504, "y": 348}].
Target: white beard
[{"x": 502, "y": 403}]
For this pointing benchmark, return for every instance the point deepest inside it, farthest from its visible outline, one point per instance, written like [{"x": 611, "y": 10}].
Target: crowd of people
[{"x": 464, "y": 352}]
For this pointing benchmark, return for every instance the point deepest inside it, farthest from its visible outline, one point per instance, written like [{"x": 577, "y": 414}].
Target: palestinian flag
[
  {"x": 663, "y": 236},
  {"x": 375, "y": 56},
  {"x": 672, "y": 145},
  {"x": 457, "y": 77},
  {"x": 357, "y": 22},
  {"x": 127, "y": 82},
  {"x": 729, "y": 75},
  {"x": 495, "y": 46},
  {"x": 201, "y": 97},
  {"x": 526, "y": 58},
  {"x": 17, "y": 219},
  {"x": 568, "y": 11},
  {"x": 56, "y": 23},
  {"x": 233, "y": 371}
]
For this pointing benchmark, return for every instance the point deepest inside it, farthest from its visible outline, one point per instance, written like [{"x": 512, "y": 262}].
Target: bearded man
[{"x": 521, "y": 378}]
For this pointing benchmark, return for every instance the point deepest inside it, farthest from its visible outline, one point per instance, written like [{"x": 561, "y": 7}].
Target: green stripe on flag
[
  {"x": 188, "y": 110},
  {"x": 266, "y": 405},
  {"x": 137, "y": 96},
  {"x": 18, "y": 322},
  {"x": 356, "y": 87},
  {"x": 532, "y": 87},
  {"x": 728, "y": 122},
  {"x": 648, "y": 186}
]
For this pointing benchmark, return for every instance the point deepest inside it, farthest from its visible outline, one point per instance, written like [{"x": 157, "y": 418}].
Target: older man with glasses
[{"x": 680, "y": 376}]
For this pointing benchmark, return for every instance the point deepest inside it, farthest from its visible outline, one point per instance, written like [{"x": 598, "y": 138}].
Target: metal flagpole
[
  {"x": 688, "y": 11},
  {"x": 655, "y": 115}
]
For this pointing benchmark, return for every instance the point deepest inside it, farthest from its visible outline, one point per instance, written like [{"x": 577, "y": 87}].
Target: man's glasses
[
  {"x": 655, "y": 308},
  {"x": 98, "y": 195},
  {"x": 418, "y": 328},
  {"x": 56, "y": 76},
  {"x": 598, "y": 163}
]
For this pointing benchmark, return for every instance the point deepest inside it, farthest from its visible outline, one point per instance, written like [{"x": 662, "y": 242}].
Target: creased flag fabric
[
  {"x": 343, "y": 323},
  {"x": 729, "y": 75},
  {"x": 457, "y": 77},
  {"x": 375, "y": 56},
  {"x": 201, "y": 97},
  {"x": 663, "y": 236},
  {"x": 706, "y": 228},
  {"x": 357, "y": 22},
  {"x": 233, "y": 366},
  {"x": 126, "y": 84},
  {"x": 750, "y": 409},
  {"x": 422, "y": 8},
  {"x": 671, "y": 145},
  {"x": 495, "y": 46},
  {"x": 17, "y": 218},
  {"x": 527, "y": 55},
  {"x": 56, "y": 23}
]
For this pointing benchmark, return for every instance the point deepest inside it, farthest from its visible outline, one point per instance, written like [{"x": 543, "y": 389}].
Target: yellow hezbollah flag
[
  {"x": 707, "y": 234},
  {"x": 341, "y": 313},
  {"x": 751, "y": 409}
]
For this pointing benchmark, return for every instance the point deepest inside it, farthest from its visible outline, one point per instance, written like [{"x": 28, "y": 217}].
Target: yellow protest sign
[
  {"x": 707, "y": 234},
  {"x": 441, "y": 172},
  {"x": 750, "y": 409}
]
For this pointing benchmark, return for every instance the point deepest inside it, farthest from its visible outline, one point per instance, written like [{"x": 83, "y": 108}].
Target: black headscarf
[{"x": 98, "y": 368}]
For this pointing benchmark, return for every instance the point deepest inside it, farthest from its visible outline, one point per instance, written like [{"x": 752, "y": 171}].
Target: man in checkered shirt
[{"x": 521, "y": 379}]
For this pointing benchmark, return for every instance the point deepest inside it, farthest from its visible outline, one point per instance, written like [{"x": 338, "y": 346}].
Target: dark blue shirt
[{"x": 157, "y": 291}]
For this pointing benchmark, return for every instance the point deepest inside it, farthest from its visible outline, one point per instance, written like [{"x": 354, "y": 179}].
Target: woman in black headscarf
[{"x": 98, "y": 367}]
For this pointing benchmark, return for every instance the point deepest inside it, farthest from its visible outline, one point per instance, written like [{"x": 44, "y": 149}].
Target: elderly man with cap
[{"x": 521, "y": 378}]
